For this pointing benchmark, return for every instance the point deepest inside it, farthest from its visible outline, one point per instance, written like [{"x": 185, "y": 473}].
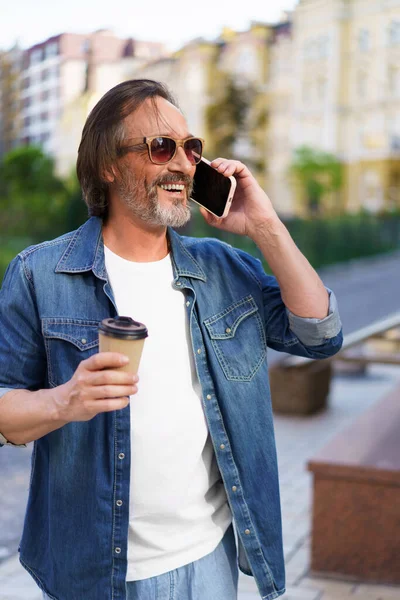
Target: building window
[
  {"x": 44, "y": 116},
  {"x": 394, "y": 81},
  {"x": 27, "y": 121},
  {"x": 364, "y": 40},
  {"x": 44, "y": 95},
  {"x": 26, "y": 102},
  {"x": 51, "y": 49},
  {"x": 323, "y": 47},
  {"x": 36, "y": 56},
  {"x": 362, "y": 85},
  {"x": 309, "y": 50},
  {"x": 85, "y": 46},
  {"x": 321, "y": 88},
  {"x": 246, "y": 62},
  {"x": 317, "y": 49},
  {"x": 394, "y": 33},
  {"x": 26, "y": 82}
]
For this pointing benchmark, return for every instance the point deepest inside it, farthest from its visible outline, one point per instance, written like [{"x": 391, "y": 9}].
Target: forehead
[{"x": 157, "y": 118}]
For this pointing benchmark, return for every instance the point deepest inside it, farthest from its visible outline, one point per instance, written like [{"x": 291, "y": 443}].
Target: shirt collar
[{"x": 85, "y": 252}]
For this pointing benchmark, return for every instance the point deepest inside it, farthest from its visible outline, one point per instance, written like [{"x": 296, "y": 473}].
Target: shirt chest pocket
[
  {"x": 68, "y": 342},
  {"x": 238, "y": 338}
]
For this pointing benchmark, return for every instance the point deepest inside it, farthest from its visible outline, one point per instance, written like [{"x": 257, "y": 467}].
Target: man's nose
[{"x": 181, "y": 163}]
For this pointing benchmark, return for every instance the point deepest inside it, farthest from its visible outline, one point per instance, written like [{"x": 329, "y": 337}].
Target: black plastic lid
[{"x": 124, "y": 328}]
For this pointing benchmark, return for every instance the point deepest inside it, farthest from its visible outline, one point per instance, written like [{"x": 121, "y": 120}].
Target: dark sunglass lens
[
  {"x": 194, "y": 150},
  {"x": 162, "y": 149}
]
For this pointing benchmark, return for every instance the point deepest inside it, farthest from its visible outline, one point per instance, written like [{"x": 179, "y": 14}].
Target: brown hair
[{"x": 104, "y": 132}]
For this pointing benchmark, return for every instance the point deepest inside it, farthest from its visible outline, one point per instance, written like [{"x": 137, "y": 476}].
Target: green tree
[
  {"x": 32, "y": 197},
  {"x": 318, "y": 174},
  {"x": 236, "y": 122},
  {"x": 226, "y": 116},
  {"x": 76, "y": 211}
]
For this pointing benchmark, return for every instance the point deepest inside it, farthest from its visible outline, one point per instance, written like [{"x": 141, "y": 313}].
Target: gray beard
[{"x": 151, "y": 211}]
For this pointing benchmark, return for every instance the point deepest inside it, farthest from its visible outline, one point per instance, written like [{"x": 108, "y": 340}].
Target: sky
[{"x": 173, "y": 22}]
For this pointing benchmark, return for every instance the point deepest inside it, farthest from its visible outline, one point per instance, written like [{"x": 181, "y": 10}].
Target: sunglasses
[{"x": 162, "y": 149}]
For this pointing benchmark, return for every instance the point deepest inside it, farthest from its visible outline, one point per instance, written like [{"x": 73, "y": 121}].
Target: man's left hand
[{"x": 251, "y": 208}]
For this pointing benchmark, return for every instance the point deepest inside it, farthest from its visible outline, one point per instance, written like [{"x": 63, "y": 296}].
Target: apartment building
[
  {"x": 41, "y": 84},
  {"x": 245, "y": 57},
  {"x": 341, "y": 95},
  {"x": 280, "y": 91},
  {"x": 91, "y": 65},
  {"x": 196, "y": 74},
  {"x": 327, "y": 76},
  {"x": 10, "y": 121}
]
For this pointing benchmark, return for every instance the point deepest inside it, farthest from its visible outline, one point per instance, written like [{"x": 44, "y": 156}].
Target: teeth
[{"x": 172, "y": 186}]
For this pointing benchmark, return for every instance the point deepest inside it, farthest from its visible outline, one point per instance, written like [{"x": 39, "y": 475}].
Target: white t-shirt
[{"x": 178, "y": 505}]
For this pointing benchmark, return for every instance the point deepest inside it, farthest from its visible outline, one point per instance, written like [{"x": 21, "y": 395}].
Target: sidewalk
[{"x": 298, "y": 439}]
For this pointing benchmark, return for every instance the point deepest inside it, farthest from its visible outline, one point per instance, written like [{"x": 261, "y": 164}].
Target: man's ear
[{"x": 110, "y": 174}]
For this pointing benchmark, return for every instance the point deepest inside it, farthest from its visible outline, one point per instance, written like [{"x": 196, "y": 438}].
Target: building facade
[
  {"x": 10, "y": 100},
  {"x": 45, "y": 83},
  {"x": 326, "y": 76},
  {"x": 343, "y": 97}
]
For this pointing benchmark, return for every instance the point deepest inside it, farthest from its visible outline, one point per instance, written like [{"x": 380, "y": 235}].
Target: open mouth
[{"x": 173, "y": 188}]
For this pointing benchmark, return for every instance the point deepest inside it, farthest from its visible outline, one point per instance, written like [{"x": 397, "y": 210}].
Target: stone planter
[{"x": 301, "y": 389}]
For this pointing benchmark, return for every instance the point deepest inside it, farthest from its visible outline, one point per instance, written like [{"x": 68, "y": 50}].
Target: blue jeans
[{"x": 213, "y": 577}]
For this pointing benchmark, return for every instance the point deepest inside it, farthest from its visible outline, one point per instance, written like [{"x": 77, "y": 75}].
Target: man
[{"x": 135, "y": 483}]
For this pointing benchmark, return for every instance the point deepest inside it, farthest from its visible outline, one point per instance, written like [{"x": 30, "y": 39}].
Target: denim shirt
[{"x": 53, "y": 297}]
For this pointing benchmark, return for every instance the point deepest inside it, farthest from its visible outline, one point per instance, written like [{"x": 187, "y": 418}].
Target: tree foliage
[
  {"x": 318, "y": 174},
  {"x": 236, "y": 122},
  {"x": 226, "y": 116},
  {"x": 34, "y": 202}
]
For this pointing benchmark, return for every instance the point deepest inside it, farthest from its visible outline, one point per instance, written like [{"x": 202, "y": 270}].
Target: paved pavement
[
  {"x": 367, "y": 290},
  {"x": 298, "y": 439}
]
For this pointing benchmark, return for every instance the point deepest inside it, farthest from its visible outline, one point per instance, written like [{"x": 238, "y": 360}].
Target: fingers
[
  {"x": 110, "y": 377},
  {"x": 105, "y": 360},
  {"x": 105, "y": 384},
  {"x": 211, "y": 219},
  {"x": 230, "y": 167},
  {"x": 111, "y": 391},
  {"x": 100, "y": 406}
]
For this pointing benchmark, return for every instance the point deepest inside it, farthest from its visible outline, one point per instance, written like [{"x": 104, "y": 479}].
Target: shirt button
[
  {"x": 83, "y": 340},
  {"x": 222, "y": 446},
  {"x": 199, "y": 351},
  {"x": 119, "y": 502},
  {"x": 188, "y": 303},
  {"x": 117, "y": 550},
  {"x": 247, "y": 531},
  {"x": 121, "y": 456},
  {"x": 234, "y": 488},
  {"x": 228, "y": 330},
  {"x": 178, "y": 283},
  {"x": 209, "y": 396}
]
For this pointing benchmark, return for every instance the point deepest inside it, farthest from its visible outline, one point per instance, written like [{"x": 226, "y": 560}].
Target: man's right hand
[{"x": 97, "y": 386}]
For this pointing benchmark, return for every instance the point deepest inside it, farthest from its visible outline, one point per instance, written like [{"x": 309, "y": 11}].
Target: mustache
[{"x": 174, "y": 178}]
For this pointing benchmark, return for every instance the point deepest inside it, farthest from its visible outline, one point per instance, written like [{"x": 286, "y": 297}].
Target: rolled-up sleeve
[
  {"x": 22, "y": 352},
  {"x": 314, "y": 332}
]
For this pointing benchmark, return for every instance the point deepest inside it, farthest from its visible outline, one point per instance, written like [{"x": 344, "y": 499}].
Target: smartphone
[{"x": 212, "y": 190}]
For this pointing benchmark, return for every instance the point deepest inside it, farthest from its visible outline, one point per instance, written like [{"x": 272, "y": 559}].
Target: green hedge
[
  {"x": 326, "y": 241},
  {"x": 322, "y": 241},
  {"x": 9, "y": 248},
  {"x": 339, "y": 239}
]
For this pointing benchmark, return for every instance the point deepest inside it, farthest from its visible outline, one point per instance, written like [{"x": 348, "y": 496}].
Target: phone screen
[{"x": 211, "y": 189}]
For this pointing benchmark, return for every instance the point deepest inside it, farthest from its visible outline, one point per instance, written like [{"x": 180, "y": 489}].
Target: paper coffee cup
[{"x": 124, "y": 335}]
